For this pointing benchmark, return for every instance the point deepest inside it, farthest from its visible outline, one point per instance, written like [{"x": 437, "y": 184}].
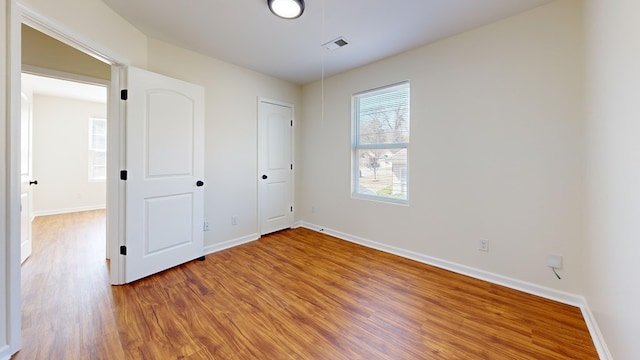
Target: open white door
[
  {"x": 165, "y": 169},
  {"x": 25, "y": 178},
  {"x": 275, "y": 165}
]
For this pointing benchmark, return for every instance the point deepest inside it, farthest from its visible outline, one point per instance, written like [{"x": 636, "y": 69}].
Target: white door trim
[{"x": 18, "y": 14}]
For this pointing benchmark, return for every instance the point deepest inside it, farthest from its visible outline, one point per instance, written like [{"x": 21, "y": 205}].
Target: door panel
[
  {"x": 165, "y": 159},
  {"x": 275, "y": 169},
  {"x": 170, "y": 150}
]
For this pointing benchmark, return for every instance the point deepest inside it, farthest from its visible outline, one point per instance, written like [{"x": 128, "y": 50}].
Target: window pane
[
  {"x": 97, "y": 165},
  {"x": 98, "y": 134},
  {"x": 382, "y": 172},
  {"x": 383, "y": 117},
  {"x": 97, "y": 149}
]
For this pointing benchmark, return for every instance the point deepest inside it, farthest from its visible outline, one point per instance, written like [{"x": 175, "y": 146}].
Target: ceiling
[
  {"x": 246, "y": 33},
  {"x": 42, "y": 85}
]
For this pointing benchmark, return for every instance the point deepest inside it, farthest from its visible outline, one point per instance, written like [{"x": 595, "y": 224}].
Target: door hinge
[
  {"x": 123, "y": 250},
  {"x": 123, "y": 174},
  {"x": 291, "y": 166},
  {"x": 291, "y": 122},
  {"x": 124, "y": 94},
  {"x": 292, "y": 209}
]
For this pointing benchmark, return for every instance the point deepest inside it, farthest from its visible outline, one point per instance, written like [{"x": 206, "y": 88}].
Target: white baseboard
[
  {"x": 596, "y": 335},
  {"x": 5, "y": 352},
  {"x": 530, "y": 288},
  {"x": 231, "y": 243},
  {"x": 68, "y": 210}
]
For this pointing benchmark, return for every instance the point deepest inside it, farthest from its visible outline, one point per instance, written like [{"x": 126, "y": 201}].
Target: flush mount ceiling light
[{"x": 286, "y": 9}]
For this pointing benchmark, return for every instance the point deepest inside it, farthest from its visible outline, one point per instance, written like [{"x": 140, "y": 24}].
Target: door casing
[{"x": 19, "y": 14}]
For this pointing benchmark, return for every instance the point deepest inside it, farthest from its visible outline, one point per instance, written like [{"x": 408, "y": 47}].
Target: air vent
[{"x": 335, "y": 44}]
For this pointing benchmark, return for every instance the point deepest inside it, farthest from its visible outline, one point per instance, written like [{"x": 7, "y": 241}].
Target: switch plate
[
  {"x": 205, "y": 226},
  {"x": 554, "y": 261},
  {"x": 234, "y": 220}
]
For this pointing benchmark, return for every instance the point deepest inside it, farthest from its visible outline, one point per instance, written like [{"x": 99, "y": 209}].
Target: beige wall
[
  {"x": 496, "y": 149},
  {"x": 613, "y": 148},
  {"x": 61, "y": 155},
  {"x": 44, "y": 51},
  {"x": 231, "y": 162},
  {"x": 93, "y": 22}
]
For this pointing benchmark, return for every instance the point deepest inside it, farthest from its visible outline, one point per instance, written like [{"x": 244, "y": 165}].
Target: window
[
  {"x": 381, "y": 144},
  {"x": 97, "y": 149}
]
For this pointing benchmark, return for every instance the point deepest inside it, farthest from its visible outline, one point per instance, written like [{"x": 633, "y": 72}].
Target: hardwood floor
[{"x": 296, "y": 294}]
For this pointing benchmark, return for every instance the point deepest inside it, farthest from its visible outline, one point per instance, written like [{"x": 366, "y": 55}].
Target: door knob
[
  {"x": 199, "y": 183},
  {"x": 33, "y": 182},
  {"x": 264, "y": 177}
]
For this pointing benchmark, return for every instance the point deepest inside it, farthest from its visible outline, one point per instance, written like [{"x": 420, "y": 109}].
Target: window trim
[{"x": 356, "y": 147}]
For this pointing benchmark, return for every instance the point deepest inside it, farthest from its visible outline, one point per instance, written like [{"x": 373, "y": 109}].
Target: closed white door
[
  {"x": 275, "y": 169},
  {"x": 165, "y": 169},
  {"x": 25, "y": 179}
]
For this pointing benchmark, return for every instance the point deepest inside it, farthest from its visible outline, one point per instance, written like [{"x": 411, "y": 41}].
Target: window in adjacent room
[
  {"x": 97, "y": 149},
  {"x": 381, "y": 144}
]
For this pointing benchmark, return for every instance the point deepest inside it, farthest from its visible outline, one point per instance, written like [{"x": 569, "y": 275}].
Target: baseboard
[
  {"x": 596, "y": 335},
  {"x": 530, "y": 288},
  {"x": 5, "y": 352},
  {"x": 68, "y": 210},
  {"x": 231, "y": 243}
]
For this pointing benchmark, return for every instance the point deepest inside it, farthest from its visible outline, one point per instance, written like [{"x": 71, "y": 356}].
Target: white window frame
[
  {"x": 356, "y": 146},
  {"x": 93, "y": 149}
]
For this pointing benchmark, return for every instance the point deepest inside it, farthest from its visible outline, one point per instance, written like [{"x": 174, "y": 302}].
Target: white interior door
[
  {"x": 25, "y": 178},
  {"x": 165, "y": 169},
  {"x": 275, "y": 131}
]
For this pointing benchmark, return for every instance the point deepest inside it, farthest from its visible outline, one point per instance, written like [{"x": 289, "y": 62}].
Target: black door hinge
[
  {"x": 291, "y": 122},
  {"x": 123, "y": 174},
  {"x": 292, "y": 209},
  {"x": 123, "y": 250},
  {"x": 124, "y": 94},
  {"x": 291, "y": 166}
]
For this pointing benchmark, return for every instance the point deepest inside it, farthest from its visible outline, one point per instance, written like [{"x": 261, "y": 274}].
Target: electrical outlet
[
  {"x": 554, "y": 261},
  {"x": 484, "y": 245},
  {"x": 234, "y": 220},
  {"x": 205, "y": 227}
]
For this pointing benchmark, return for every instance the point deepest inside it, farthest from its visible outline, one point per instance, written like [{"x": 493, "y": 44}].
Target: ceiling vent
[{"x": 336, "y": 44}]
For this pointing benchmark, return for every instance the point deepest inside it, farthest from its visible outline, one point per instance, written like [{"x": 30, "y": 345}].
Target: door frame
[
  {"x": 293, "y": 156},
  {"x": 17, "y": 15}
]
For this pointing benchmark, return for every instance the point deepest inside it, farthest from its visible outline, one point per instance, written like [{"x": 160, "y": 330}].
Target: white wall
[
  {"x": 496, "y": 149},
  {"x": 61, "y": 156},
  {"x": 613, "y": 144},
  {"x": 231, "y": 163}
]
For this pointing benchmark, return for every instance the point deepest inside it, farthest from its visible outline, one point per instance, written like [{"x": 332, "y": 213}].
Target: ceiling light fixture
[{"x": 286, "y": 9}]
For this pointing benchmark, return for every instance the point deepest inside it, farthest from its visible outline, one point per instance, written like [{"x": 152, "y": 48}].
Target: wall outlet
[
  {"x": 234, "y": 220},
  {"x": 205, "y": 226},
  {"x": 484, "y": 245},
  {"x": 554, "y": 261},
  {"x": 313, "y": 209}
]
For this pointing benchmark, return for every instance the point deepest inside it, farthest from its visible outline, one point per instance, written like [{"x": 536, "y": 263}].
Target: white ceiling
[
  {"x": 244, "y": 32},
  {"x": 35, "y": 84}
]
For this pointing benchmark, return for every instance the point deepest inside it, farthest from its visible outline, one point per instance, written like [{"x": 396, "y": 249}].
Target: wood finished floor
[{"x": 297, "y": 294}]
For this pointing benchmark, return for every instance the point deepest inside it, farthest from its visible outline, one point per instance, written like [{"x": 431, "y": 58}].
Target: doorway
[
  {"x": 19, "y": 18},
  {"x": 65, "y": 93},
  {"x": 63, "y": 157}
]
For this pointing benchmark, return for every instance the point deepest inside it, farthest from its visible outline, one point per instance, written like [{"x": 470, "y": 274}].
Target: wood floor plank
[{"x": 295, "y": 294}]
